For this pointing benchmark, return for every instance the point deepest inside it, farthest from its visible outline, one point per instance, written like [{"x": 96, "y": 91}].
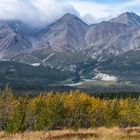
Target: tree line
[{"x": 67, "y": 110}]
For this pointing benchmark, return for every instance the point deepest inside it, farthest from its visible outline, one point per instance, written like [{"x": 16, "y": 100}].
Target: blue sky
[
  {"x": 41, "y": 11},
  {"x": 105, "y": 1},
  {"x": 104, "y": 9},
  {"x": 109, "y": 1}
]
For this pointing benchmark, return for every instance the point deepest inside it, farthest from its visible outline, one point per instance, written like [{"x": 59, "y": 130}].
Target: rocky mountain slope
[
  {"x": 127, "y": 18},
  {"x": 11, "y": 43},
  {"x": 56, "y": 45},
  {"x": 73, "y": 46},
  {"x": 114, "y": 37},
  {"x": 70, "y": 35}
]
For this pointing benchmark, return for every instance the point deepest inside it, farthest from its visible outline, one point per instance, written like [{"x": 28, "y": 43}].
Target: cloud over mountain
[
  {"x": 38, "y": 12},
  {"x": 42, "y": 12}
]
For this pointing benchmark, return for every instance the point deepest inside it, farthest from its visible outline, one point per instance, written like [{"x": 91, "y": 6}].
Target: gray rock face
[
  {"x": 68, "y": 33},
  {"x": 22, "y": 28},
  {"x": 128, "y": 19},
  {"x": 11, "y": 42},
  {"x": 115, "y": 46},
  {"x": 69, "y": 40},
  {"x": 113, "y": 38},
  {"x": 104, "y": 30}
]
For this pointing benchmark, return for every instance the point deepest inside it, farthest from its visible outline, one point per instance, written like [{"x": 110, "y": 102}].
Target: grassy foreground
[{"x": 83, "y": 134}]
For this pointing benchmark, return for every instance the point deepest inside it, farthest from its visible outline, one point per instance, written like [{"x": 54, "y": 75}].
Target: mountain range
[{"x": 105, "y": 51}]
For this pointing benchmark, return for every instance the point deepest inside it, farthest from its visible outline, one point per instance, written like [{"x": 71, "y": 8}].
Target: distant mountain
[
  {"x": 72, "y": 46},
  {"x": 60, "y": 44},
  {"x": 104, "y": 30},
  {"x": 68, "y": 39},
  {"x": 11, "y": 42},
  {"x": 128, "y": 18},
  {"x": 67, "y": 33},
  {"x": 114, "y": 37},
  {"x": 23, "y": 29}
]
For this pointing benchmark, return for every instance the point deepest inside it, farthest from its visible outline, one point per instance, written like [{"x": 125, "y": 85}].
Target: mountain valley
[{"x": 71, "y": 51}]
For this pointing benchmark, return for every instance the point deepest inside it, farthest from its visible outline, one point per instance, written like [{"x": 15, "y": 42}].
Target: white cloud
[
  {"x": 88, "y": 7},
  {"x": 41, "y": 12},
  {"x": 89, "y": 18},
  {"x": 38, "y": 12},
  {"x": 50, "y": 10},
  {"x": 103, "y": 11}
]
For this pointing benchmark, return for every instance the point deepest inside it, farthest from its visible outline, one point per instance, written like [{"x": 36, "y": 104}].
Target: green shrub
[{"x": 65, "y": 110}]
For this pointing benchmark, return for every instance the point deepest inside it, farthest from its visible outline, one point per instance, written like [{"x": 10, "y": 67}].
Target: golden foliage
[{"x": 65, "y": 110}]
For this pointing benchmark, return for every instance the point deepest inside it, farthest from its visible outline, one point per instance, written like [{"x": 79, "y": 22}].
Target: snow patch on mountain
[
  {"x": 105, "y": 77},
  {"x": 35, "y": 64},
  {"x": 48, "y": 57}
]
